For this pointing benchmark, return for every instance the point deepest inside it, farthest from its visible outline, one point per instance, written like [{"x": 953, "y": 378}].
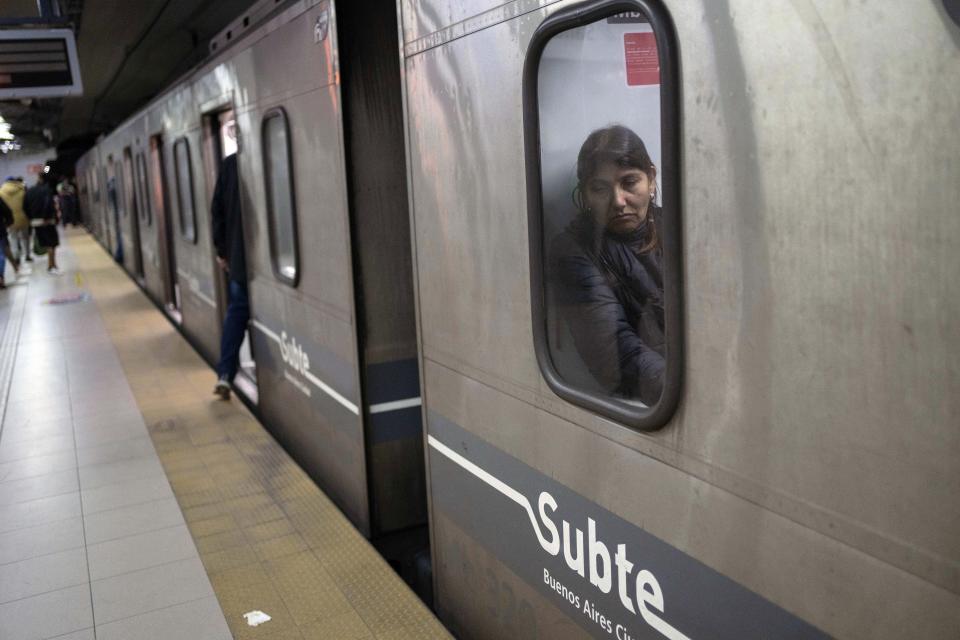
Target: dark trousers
[{"x": 234, "y": 329}]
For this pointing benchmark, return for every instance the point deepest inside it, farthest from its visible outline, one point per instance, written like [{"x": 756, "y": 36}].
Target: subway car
[{"x": 746, "y": 427}]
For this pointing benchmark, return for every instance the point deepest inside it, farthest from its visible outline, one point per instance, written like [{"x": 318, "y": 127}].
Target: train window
[
  {"x": 601, "y": 134},
  {"x": 143, "y": 190},
  {"x": 281, "y": 210},
  {"x": 184, "y": 179}
]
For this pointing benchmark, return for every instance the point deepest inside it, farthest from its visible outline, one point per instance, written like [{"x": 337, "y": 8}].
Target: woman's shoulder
[
  {"x": 568, "y": 250},
  {"x": 575, "y": 236}
]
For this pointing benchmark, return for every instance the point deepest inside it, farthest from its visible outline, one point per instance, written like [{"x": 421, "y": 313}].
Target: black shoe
[{"x": 222, "y": 389}]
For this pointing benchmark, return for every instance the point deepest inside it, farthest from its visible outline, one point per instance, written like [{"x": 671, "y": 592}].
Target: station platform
[{"x": 134, "y": 504}]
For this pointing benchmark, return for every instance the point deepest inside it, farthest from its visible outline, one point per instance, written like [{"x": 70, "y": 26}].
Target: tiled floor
[
  {"x": 133, "y": 505},
  {"x": 92, "y": 541}
]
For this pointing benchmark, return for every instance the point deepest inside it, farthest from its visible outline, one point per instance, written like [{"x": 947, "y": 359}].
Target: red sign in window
[{"x": 643, "y": 64}]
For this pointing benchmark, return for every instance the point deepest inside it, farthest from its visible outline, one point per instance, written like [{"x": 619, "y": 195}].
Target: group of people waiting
[{"x": 28, "y": 221}]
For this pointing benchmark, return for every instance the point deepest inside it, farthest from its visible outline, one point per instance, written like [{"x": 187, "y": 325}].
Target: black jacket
[
  {"x": 38, "y": 203},
  {"x": 6, "y": 216},
  {"x": 227, "y": 220},
  {"x": 611, "y": 297}
]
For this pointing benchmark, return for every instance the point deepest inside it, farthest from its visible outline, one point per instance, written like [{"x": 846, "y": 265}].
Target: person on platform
[
  {"x": 12, "y": 192},
  {"x": 67, "y": 201},
  {"x": 228, "y": 240},
  {"x": 42, "y": 211},
  {"x": 6, "y": 220}
]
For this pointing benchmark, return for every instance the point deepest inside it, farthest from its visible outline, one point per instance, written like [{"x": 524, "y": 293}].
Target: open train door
[
  {"x": 131, "y": 208},
  {"x": 168, "y": 258}
]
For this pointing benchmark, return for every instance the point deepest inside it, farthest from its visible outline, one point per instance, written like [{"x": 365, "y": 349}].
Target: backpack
[{"x": 38, "y": 203}]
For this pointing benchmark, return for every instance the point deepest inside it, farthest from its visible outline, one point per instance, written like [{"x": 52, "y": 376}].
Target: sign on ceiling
[{"x": 38, "y": 63}]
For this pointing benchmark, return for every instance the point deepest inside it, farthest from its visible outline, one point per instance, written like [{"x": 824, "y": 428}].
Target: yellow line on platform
[{"x": 269, "y": 539}]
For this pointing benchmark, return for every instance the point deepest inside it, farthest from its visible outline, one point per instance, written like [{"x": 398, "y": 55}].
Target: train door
[
  {"x": 114, "y": 206},
  {"x": 168, "y": 258},
  {"x": 147, "y": 239},
  {"x": 93, "y": 199},
  {"x": 106, "y": 218},
  {"x": 220, "y": 142},
  {"x": 131, "y": 211}
]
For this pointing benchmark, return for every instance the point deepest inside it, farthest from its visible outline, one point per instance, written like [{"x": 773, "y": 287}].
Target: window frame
[
  {"x": 570, "y": 17},
  {"x": 281, "y": 113},
  {"x": 193, "y": 202}
]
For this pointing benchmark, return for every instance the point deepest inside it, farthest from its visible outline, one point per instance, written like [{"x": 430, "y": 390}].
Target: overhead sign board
[{"x": 38, "y": 63}]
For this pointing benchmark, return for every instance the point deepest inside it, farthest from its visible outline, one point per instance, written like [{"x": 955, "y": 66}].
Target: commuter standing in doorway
[
  {"x": 228, "y": 240},
  {"x": 42, "y": 211}
]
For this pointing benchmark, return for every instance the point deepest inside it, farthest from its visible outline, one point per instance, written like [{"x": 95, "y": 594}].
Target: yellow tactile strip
[{"x": 269, "y": 539}]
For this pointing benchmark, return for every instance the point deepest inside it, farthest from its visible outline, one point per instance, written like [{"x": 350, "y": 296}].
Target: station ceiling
[{"x": 128, "y": 50}]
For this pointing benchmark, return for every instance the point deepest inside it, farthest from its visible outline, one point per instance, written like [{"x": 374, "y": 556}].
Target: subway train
[{"x": 411, "y": 174}]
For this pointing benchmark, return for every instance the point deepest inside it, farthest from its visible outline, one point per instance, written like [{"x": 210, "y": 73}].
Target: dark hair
[
  {"x": 617, "y": 144},
  {"x": 622, "y": 146}
]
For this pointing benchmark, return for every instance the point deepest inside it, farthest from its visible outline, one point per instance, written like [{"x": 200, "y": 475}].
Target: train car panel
[
  {"x": 162, "y": 282},
  {"x": 753, "y": 298},
  {"x": 686, "y": 531},
  {"x": 305, "y": 335},
  {"x": 467, "y": 142},
  {"x": 192, "y": 242},
  {"x": 791, "y": 296},
  {"x": 313, "y": 115},
  {"x": 147, "y": 220},
  {"x": 422, "y": 19}
]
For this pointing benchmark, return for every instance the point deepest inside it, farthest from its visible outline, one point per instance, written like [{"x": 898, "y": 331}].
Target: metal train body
[
  {"x": 806, "y": 484},
  {"x": 313, "y": 355}
]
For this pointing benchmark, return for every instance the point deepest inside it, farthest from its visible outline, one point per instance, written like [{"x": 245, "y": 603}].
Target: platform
[{"x": 135, "y": 505}]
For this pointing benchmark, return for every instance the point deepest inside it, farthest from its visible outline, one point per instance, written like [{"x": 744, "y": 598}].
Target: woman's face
[{"x": 618, "y": 197}]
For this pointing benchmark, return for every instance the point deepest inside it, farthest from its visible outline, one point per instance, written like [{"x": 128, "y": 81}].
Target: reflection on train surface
[{"x": 639, "y": 312}]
